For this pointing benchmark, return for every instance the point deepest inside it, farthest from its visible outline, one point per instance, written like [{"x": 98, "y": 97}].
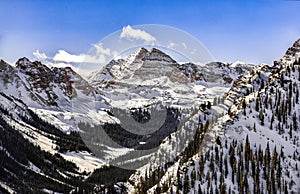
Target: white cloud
[
  {"x": 136, "y": 34},
  {"x": 100, "y": 50},
  {"x": 81, "y": 63},
  {"x": 184, "y": 45},
  {"x": 39, "y": 56},
  {"x": 99, "y": 56},
  {"x": 67, "y": 57}
]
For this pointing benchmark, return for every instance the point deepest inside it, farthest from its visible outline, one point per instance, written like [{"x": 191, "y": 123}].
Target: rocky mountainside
[
  {"x": 148, "y": 77},
  {"x": 253, "y": 148},
  {"x": 147, "y": 65},
  {"x": 229, "y": 127},
  {"x": 39, "y": 85},
  {"x": 60, "y": 90}
]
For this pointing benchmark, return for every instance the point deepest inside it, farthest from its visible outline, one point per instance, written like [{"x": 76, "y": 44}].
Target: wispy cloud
[
  {"x": 136, "y": 34},
  {"x": 82, "y": 63},
  {"x": 100, "y": 55},
  {"x": 100, "y": 50}
]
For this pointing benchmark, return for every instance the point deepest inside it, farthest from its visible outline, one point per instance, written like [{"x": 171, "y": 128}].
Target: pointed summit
[
  {"x": 157, "y": 55},
  {"x": 136, "y": 56},
  {"x": 142, "y": 52},
  {"x": 140, "y": 62}
]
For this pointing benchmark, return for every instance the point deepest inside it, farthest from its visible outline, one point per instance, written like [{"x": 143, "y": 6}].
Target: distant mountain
[
  {"x": 147, "y": 65},
  {"x": 39, "y": 86},
  {"x": 147, "y": 77},
  {"x": 142, "y": 64}
]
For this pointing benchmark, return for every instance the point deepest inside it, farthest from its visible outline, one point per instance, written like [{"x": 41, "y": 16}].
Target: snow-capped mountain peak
[
  {"x": 134, "y": 63},
  {"x": 138, "y": 54},
  {"x": 158, "y": 55}
]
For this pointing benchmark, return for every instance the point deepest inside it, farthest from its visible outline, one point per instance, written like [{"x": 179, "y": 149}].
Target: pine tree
[
  {"x": 245, "y": 183},
  {"x": 297, "y": 95},
  {"x": 226, "y": 166},
  {"x": 201, "y": 166},
  {"x": 199, "y": 189},
  {"x": 216, "y": 154},
  {"x": 186, "y": 186},
  {"x": 257, "y": 175},
  {"x": 208, "y": 105},
  {"x": 244, "y": 106},
  {"x": 298, "y": 73},
  {"x": 295, "y": 124},
  {"x": 285, "y": 188},
  {"x": 267, "y": 162},
  {"x": 262, "y": 85},
  {"x": 272, "y": 120},
  {"x": 247, "y": 153},
  {"x": 261, "y": 117},
  {"x": 252, "y": 163},
  {"x": 257, "y": 104},
  {"x": 211, "y": 164},
  {"x": 193, "y": 177},
  {"x": 208, "y": 180},
  {"x": 223, "y": 188}
]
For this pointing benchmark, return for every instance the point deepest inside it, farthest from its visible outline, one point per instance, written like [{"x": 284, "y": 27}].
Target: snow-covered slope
[
  {"x": 35, "y": 155},
  {"x": 253, "y": 148}
]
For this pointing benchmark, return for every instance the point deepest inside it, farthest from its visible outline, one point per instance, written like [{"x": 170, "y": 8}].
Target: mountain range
[{"x": 219, "y": 127}]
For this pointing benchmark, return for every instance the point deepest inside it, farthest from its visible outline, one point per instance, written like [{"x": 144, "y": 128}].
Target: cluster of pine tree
[
  {"x": 282, "y": 101},
  {"x": 246, "y": 169}
]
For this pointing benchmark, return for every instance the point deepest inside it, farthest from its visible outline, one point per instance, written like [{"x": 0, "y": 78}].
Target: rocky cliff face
[{"x": 36, "y": 83}]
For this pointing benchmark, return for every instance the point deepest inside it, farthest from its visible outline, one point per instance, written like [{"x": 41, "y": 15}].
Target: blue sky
[{"x": 251, "y": 31}]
